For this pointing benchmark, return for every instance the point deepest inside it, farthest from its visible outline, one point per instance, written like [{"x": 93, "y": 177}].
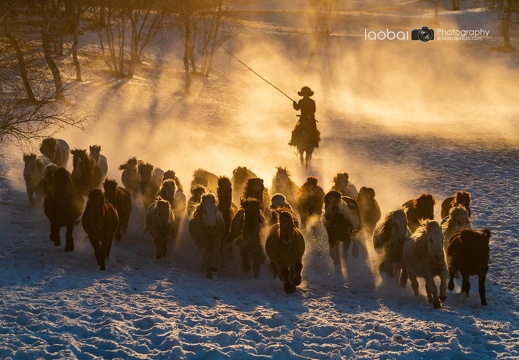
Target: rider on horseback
[{"x": 306, "y": 126}]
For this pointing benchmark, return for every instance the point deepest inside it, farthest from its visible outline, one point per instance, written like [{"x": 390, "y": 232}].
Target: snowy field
[{"x": 401, "y": 117}]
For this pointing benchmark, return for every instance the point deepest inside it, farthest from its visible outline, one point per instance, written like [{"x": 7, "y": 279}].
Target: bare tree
[
  {"x": 129, "y": 28},
  {"x": 201, "y": 24},
  {"x": 508, "y": 18},
  {"x": 22, "y": 120}
]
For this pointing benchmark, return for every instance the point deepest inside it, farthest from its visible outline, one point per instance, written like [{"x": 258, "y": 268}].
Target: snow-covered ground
[{"x": 401, "y": 117}]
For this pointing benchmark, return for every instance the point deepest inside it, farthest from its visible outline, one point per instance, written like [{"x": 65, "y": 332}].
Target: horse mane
[
  {"x": 462, "y": 198},
  {"x": 131, "y": 162},
  {"x": 423, "y": 197},
  {"x": 224, "y": 181},
  {"x": 110, "y": 183},
  {"x": 198, "y": 189},
  {"x": 310, "y": 181},
  {"x": 365, "y": 192},
  {"x": 145, "y": 165},
  {"x": 241, "y": 174},
  {"x": 332, "y": 194},
  {"x": 386, "y": 227},
  {"x": 420, "y": 236},
  {"x": 285, "y": 212},
  {"x": 48, "y": 142},
  {"x": 282, "y": 170},
  {"x": 169, "y": 174}
]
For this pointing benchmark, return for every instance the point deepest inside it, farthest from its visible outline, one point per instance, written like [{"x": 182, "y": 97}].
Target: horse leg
[
  {"x": 245, "y": 264},
  {"x": 256, "y": 266},
  {"x": 334, "y": 253},
  {"x": 414, "y": 284},
  {"x": 54, "y": 234},
  {"x": 432, "y": 291},
  {"x": 451, "y": 281},
  {"x": 403, "y": 278},
  {"x": 465, "y": 284},
  {"x": 69, "y": 246},
  {"x": 481, "y": 287},
  {"x": 443, "y": 285},
  {"x": 345, "y": 248},
  {"x": 287, "y": 284},
  {"x": 298, "y": 270}
]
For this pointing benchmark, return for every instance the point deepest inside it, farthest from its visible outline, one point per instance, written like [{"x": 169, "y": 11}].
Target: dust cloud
[{"x": 364, "y": 90}]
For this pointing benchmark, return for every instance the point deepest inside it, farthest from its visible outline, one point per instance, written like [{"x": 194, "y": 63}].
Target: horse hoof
[
  {"x": 289, "y": 288},
  {"x": 484, "y": 302},
  {"x": 103, "y": 268},
  {"x": 57, "y": 242},
  {"x": 437, "y": 305},
  {"x": 443, "y": 298},
  {"x": 69, "y": 248},
  {"x": 213, "y": 269}
]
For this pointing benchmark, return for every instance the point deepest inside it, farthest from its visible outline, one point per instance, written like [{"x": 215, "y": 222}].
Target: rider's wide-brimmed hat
[{"x": 305, "y": 91}]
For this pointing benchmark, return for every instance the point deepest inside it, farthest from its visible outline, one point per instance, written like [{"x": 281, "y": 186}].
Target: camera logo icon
[{"x": 425, "y": 34}]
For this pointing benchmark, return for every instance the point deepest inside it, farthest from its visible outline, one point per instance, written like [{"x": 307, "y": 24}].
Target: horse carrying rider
[{"x": 307, "y": 121}]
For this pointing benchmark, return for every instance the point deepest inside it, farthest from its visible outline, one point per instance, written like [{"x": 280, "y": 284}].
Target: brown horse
[
  {"x": 285, "y": 247},
  {"x": 122, "y": 200},
  {"x": 305, "y": 145},
  {"x": 228, "y": 209},
  {"x": 85, "y": 174},
  {"x": 240, "y": 175},
  {"x": 130, "y": 176},
  {"x": 206, "y": 179},
  {"x": 468, "y": 252},
  {"x": 342, "y": 183},
  {"x": 150, "y": 181},
  {"x": 101, "y": 162},
  {"x": 56, "y": 150},
  {"x": 341, "y": 220},
  {"x": 176, "y": 198},
  {"x": 196, "y": 196},
  {"x": 369, "y": 211},
  {"x": 310, "y": 201},
  {"x": 279, "y": 201},
  {"x": 207, "y": 229},
  {"x": 63, "y": 207},
  {"x": 160, "y": 221},
  {"x": 48, "y": 182},
  {"x": 416, "y": 210},
  {"x": 254, "y": 188},
  {"x": 283, "y": 184},
  {"x": 170, "y": 174},
  {"x": 100, "y": 221},
  {"x": 33, "y": 175},
  {"x": 460, "y": 198},
  {"x": 247, "y": 231}
]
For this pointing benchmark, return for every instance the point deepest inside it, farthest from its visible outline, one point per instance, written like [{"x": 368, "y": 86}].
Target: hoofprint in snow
[{"x": 59, "y": 305}]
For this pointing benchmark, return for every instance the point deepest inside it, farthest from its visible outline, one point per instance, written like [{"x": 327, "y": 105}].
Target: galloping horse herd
[{"x": 272, "y": 224}]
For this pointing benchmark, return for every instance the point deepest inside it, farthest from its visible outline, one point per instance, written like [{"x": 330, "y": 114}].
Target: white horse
[
  {"x": 207, "y": 229},
  {"x": 33, "y": 175},
  {"x": 130, "y": 176},
  {"x": 160, "y": 222},
  {"x": 424, "y": 257},
  {"x": 388, "y": 240},
  {"x": 101, "y": 162},
  {"x": 56, "y": 150},
  {"x": 457, "y": 220}
]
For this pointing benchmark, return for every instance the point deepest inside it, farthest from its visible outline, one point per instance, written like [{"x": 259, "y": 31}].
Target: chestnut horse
[
  {"x": 85, "y": 175},
  {"x": 63, "y": 207},
  {"x": 100, "y": 221},
  {"x": 285, "y": 247}
]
